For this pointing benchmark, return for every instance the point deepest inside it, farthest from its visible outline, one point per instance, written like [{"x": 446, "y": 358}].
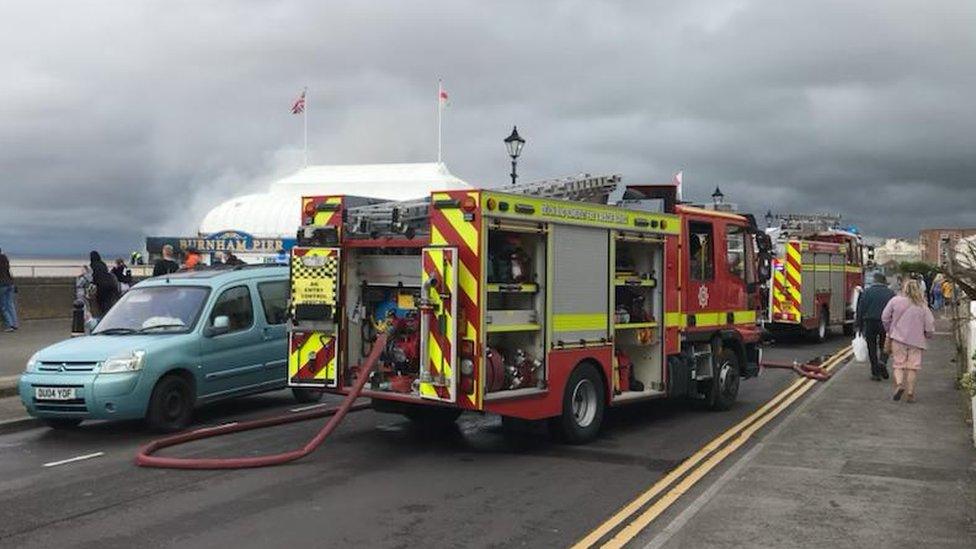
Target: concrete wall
[{"x": 39, "y": 298}]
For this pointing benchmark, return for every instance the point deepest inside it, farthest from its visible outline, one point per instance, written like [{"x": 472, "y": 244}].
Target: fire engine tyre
[
  {"x": 584, "y": 404},
  {"x": 171, "y": 404},
  {"x": 306, "y": 396},
  {"x": 724, "y": 388}
]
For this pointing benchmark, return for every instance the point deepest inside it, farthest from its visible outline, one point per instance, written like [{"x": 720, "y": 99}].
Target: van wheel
[
  {"x": 62, "y": 423},
  {"x": 584, "y": 403},
  {"x": 724, "y": 387},
  {"x": 306, "y": 396},
  {"x": 171, "y": 404}
]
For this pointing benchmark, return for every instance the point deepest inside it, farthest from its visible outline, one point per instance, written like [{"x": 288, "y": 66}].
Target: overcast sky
[{"x": 124, "y": 119}]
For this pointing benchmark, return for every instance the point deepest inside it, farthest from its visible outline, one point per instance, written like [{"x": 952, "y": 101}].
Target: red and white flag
[
  {"x": 677, "y": 182},
  {"x": 299, "y": 106},
  {"x": 442, "y": 94}
]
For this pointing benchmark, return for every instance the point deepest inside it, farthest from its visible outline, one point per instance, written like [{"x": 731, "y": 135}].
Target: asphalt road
[{"x": 378, "y": 482}]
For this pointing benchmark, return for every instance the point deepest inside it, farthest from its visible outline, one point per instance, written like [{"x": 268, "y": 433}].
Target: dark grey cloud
[{"x": 122, "y": 119}]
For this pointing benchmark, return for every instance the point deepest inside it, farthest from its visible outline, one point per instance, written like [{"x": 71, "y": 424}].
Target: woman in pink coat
[{"x": 908, "y": 323}]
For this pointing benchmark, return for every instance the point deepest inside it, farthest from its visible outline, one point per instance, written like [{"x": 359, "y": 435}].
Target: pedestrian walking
[
  {"x": 948, "y": 295},
  {"x": 908, "y": 322},
  {"x": 8, "y": 303},
  {"x": 167, "y": 264},
  {"x": 107, "y": 286},
  {"x": 936, "y": 291},
  {"x": 868, "y": 321}
]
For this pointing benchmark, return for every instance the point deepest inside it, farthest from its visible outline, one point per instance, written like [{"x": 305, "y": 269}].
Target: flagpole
[
  {"x": 305, "y": 119},
  {"x": 440, "y": 109}
]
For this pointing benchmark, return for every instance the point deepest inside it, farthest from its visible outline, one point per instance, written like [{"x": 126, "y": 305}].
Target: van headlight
[
  {"x": 130, "y": 362},
  {"x": 32, "y": 363}
]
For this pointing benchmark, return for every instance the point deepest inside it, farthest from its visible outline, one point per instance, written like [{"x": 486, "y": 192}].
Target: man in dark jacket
[
  {"x": 8, "y": 309},
  {"x": 868, "y": 320},
  {"x": 166, "y": 265}
]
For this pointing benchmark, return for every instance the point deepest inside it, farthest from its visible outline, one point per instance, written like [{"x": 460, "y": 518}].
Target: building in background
[
  {"x": 260, "y": 227},
  {"x": 896, "y": 250},
  {"x": 935, "y": 245}
]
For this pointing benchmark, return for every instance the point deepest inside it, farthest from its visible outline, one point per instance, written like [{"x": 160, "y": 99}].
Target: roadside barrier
[{"x": 145, "y": 458}]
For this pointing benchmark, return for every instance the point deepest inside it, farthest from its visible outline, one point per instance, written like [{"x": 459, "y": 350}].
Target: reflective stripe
[
  {"x": 574, "y": 322},
  {"x": 709, "y": 319}
]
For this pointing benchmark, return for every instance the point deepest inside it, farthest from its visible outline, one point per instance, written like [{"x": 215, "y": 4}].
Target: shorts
[{"x": 905, "y": 357}]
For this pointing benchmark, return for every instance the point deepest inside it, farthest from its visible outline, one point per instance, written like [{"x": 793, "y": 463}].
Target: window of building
[
  {"x": 274, "y": 300},
  {"x": 235, "y": 304},
  {"x": 700, "y": 251},
  {"x": 735, "y": 239}
]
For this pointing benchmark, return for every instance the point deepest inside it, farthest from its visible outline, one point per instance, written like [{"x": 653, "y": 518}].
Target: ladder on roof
[{"x": 412, "y": 215}]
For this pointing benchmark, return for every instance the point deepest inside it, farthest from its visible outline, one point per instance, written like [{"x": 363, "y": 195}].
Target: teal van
[{"x": 170, "y": 344}]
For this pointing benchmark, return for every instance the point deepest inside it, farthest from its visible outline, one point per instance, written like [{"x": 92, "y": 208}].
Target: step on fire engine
[
  {"x": 537, "y": 301},
  {"x": 817, "y": 271}
]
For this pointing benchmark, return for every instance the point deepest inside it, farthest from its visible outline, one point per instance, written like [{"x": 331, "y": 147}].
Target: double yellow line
[{"x": 697, "y": 466}]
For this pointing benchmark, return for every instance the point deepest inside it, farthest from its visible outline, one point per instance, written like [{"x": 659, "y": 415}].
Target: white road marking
[
  {"x": 74, "y": 459},
  {"x": 201, "y": 429},
  {"x": 309, "y": 407}
]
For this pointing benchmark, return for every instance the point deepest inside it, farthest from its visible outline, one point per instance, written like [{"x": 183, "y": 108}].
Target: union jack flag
[{"x": 299, "y": 106}]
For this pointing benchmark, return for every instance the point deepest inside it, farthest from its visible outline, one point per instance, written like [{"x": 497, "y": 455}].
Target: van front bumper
[{"x": 107, "y": 396}]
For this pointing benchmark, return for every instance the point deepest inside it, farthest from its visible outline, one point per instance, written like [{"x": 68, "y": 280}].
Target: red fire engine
[
  {"x": 549, "y": 300},
  {"x": 816, "y": 274}
]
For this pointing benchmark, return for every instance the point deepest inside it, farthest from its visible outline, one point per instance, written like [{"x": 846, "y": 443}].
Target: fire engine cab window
[
  {"x": 235, "y": 304},
  {"x": 735, "y": 239},
  {"x": 700, "y": 248}
]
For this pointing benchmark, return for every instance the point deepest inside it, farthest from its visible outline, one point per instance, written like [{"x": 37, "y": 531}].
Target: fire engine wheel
[
  {"x": 306, "y": 396},
  {"x": 724, "y": 388},
  {"x": 584, "y": 403},
  {"x": 171, "y": 404}
]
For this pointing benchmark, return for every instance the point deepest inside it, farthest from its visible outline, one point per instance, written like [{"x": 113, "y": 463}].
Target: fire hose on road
[
  {"x": 809, "y": 371},
  {"x": 145, "y": 458}
]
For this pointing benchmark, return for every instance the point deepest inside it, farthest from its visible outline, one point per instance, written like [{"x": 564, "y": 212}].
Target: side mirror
[{"x": 221, "y": 325}]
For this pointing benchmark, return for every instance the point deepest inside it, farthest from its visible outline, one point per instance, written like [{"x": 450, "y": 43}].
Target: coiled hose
[{"x": 145, "y": 458}]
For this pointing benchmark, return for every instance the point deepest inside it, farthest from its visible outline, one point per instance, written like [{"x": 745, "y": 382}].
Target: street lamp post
[
  {"x": 514, "y": 144},
  {"x": 769, "y": 218}
]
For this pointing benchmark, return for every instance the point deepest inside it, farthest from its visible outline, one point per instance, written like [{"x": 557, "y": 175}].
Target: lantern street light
[
  {"x": 514, "y": 144},
  {"x": 769, "y": 218},
  {"x": 717, "y": 196}
]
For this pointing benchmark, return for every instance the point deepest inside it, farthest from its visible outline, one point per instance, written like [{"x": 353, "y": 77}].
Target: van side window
[
  {"x": 274, "y": 300},
  {"x": 701, "y": 251},
  {"x": 235, "y": 304},
  {"x": 735, "y": 258}
]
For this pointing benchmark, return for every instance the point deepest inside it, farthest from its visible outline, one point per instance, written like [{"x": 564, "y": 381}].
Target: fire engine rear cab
[
  {"x": 539, "y": 301},
  {"x": 816, "y": 274}
]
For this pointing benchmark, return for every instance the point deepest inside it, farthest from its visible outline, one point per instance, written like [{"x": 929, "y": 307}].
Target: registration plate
[{"x": 55, "y": 393}]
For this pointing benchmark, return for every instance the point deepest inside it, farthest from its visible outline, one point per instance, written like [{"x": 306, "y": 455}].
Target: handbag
[{"x": 887, "y": 342}]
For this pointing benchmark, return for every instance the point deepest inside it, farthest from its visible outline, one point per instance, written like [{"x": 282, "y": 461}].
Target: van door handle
[{"x": 267, "y": 332}]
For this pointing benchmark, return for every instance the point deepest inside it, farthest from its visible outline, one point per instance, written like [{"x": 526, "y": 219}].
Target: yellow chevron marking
[
  {"x": 468, "y": 283},
  {"x": 455, "y": 216},
  {"x": 793, "y": 253}
]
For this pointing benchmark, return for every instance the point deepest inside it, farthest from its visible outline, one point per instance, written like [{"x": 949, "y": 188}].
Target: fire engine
[
  {"x": 543, "y": 301},
  {"x": 817, "y": 271}
]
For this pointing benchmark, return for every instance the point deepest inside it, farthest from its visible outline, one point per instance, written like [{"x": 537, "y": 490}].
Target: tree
[
  {"x": 961, "y": 268},
  {"x": 920, "y": 267}
]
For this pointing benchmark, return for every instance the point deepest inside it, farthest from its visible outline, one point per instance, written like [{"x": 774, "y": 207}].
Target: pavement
[
  {"x": 850, "y": 467},
  {"x": 17, "y": 347}
]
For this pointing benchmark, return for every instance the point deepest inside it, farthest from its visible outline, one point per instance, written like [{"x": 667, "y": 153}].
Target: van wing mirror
[{"x": 220, "y": 325}]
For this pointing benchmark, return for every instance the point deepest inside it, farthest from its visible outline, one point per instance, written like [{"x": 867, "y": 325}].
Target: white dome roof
[{"x": 276, "y": 213}]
